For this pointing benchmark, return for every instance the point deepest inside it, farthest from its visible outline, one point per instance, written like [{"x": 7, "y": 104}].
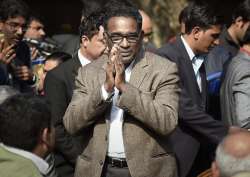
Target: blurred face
[
  {"x": 207, "y": 39},
  {"x": 93, "y": 48},
  {"x": 13, "y": 29},
  {"x": 242, "y": 30},
  {"x": 123, "y": 31},
  {"x": 49, "y": 65},
  {"x": 35, "y": 30}
]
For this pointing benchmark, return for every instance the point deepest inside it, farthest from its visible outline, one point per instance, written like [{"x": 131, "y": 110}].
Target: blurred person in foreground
[
  {"x": 27, "y": 136},
  {"x": 232, "y": 155}
]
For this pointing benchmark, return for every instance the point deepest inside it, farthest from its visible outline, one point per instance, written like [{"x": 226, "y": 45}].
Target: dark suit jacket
[
  {"x": 59, "y": 84},
  {"x": 194, "y": 123}
]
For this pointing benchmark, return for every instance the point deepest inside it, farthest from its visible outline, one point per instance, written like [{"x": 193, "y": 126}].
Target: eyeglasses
[
  {"x": 15, "y": 26},
  {"x": 117, "y": 38}
]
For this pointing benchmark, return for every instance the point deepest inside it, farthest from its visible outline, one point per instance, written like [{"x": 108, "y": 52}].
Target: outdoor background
[{"x": 63, "y": 16}]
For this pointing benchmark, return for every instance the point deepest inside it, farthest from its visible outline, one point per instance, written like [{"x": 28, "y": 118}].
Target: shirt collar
[
  {"x": 128, "y": 70},
  {"x": 41, "y": 164},
  {"x": 188, "y": 48},
  {"x": 83, "y": 60}
]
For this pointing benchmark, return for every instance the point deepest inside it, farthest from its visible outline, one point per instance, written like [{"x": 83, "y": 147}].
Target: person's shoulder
[
  {"x": 96, "y": 64},
  {"x": 17, "y": 166},
  {"x": 157, "y": 60}
]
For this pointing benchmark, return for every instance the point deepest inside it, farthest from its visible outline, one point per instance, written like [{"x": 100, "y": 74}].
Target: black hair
[
  {"x": 122, "y": 9},
  {"x": 201, "y": 15},
  {"x": 183, "y": 15},
  {"x": 22, "y": 120},
  {"x": 12, "y": 9},
  {"x": 242, "y": 10},
  {"x": 90, "y": 25},
  {"x": 90, "y": 7},
  {"x": 60, "y": 57},
  {"x": 35, "y": 17}
]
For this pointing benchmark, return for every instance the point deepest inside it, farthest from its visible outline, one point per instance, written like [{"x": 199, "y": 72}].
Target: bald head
[
  {"x": 233, "y": 154},
  {"x": 146, "y": 25},
  {"x": 237, "y": 144}
]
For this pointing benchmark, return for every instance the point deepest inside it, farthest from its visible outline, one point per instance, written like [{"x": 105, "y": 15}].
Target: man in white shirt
[
  {"x": 126, "y": 103},
  {"x": 59, "y": 84},
  {"x": 25, "y": 130}
]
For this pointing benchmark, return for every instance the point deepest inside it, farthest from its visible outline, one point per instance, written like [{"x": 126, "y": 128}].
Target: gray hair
[{"x": 230, "y": 165}]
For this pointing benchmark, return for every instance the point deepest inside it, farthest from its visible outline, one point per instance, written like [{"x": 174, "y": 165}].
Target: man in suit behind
[
  {"x": 128, "y": 103},
  {"x": 59, "y": 85},
  {"x": 202, "y": 32}
]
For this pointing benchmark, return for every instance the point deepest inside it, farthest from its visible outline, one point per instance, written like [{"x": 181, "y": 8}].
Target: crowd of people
[{"x": 107, "y": 102}]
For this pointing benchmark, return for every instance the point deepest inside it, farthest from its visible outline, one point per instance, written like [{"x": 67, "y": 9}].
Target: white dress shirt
[
  {"x": 115, "y": 141},
  {"x": 41, "y": 164},
  {"x": 196, "y": 62},
  {"x": 83, "y": 60}
]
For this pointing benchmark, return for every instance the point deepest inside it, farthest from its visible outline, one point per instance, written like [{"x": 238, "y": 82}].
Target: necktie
[{"x": 197, "y": 62}]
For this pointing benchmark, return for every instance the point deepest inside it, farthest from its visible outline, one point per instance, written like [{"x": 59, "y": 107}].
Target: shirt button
[{"x": 101, "y": 162}]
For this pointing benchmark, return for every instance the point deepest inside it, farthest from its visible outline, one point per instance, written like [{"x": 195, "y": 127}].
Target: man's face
[
  {"x": 35, "y": 30},
  {"x": 208, "y": 38},
  {"x": 242, "y": 29},
  {"x": 123, "y": 31},
  {"x": 48, "y": 65},
  {"x": 94, "y": 47},
  {"x": 13, "y": 29}
]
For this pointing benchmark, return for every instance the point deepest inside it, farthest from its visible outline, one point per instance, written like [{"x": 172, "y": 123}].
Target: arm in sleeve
[
  {"x": 199, "y": 121},
  {"x": 241, "y": 94},
  {"x": 87, "y": 103}
]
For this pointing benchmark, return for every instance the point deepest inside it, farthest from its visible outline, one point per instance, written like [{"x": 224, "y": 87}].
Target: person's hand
[
  {"x": 24, "y": 73},
  {"x": 110, "y": 71},
  {"x": 119, "y": 70},
  {"x": 7, "y": 54},
  {"x": 34, "y": 53}
]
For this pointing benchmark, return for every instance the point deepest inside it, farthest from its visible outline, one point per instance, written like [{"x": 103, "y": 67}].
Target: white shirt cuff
[{"x": 106, "y": 95}]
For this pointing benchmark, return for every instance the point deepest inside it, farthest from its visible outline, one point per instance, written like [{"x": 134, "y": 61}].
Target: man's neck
[
  {"x": 85, "y": 54},
  {"x": 190, "y": 42},
  {"x": 231, "y": 32}
]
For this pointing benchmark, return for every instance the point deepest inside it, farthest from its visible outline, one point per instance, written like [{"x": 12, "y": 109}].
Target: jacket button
[{"x": 101, "y": 162}]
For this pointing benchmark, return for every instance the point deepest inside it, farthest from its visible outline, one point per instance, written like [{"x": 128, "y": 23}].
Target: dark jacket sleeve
[{"x": 56, "y": 93}]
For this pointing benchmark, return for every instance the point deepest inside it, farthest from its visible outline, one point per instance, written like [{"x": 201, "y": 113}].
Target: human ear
[
  {"x": 47, "y": 139},
  {"x": 85, "y": 41},
  {"x": 239, "y": 22},
  {"x": 196, "y": 31}
]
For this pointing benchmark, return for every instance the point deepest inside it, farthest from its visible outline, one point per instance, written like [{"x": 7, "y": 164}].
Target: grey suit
[
  {"x": 235, "y": 92},
  {"x": 150, "y": 105}
]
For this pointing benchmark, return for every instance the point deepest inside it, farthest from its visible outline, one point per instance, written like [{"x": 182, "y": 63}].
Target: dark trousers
[{"x": 111, "y": 171}]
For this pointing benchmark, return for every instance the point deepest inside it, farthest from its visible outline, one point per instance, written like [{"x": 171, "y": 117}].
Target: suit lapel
[
  {"x": 187, "y": 65},
  {"x": 140, "y": 69}
]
